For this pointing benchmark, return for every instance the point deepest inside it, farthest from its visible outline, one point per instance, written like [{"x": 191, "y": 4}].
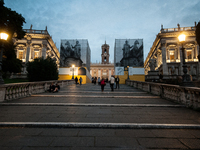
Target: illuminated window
[
  {"x": 104, "y": 72},
  {"x": 171, "y": 55},
  {"x": 189, "y": 54},
  {"x": 20, "y": 55},
  {"x": 36, "y": 55}
]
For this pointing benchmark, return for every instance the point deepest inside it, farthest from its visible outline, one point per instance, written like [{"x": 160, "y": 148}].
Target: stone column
[
  {"x": 109, "y": 74},
  {"x": 44, "y": 49},
  {"x": 163, "y": 47},
  {"x": 92, "y": 73},
  {"x": 196, "y": 50},
  {"x": 28, "y": 48},
  {"x": 99, "y": 73},
  {"x": 181, "y": 60}
]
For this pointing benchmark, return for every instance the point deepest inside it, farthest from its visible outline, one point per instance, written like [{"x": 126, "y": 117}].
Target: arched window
[
  {"x": 104, "y": 59},
  {"x": 105, "y": 51}
]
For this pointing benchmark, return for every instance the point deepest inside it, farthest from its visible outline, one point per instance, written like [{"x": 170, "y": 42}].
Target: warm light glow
[
  {"x": 73, "y": 66},
  {"x": 181, "y": 38},
  {"x": 3, "y": 36}
]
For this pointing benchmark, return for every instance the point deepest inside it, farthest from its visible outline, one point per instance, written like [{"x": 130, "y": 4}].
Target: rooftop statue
[{"x": 152, "y": 64}]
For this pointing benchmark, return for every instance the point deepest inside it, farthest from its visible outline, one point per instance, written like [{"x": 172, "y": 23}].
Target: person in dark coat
[
  {"x": 76, "y": 80},
  {"x": 117, "y": 82},
  {"x": 57, "y": 88},
  {"x": 51, "y": 87}
]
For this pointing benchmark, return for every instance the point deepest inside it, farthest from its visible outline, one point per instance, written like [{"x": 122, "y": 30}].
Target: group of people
[
  {"x": 113, "y": 81},
  {"x": 53, "y": 88},
  {"x": 95, "y": 80},
  {"x": 80, "y": 80}
]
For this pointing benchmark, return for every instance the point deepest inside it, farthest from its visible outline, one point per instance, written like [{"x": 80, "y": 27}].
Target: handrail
[
  {"x": 189, "y": 96},
  {"x": 19, "y": 90}
]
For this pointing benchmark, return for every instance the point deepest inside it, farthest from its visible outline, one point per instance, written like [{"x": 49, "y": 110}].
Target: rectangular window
[
  {"x": 171, "y": 53},
  {"x": 36, "y": 55},
  {"x": 189, "y": 54},
  {"x": 20, "y": 55}
]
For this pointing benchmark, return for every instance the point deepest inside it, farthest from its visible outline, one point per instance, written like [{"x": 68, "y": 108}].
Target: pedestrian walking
[
  {"x": 99, "y": 81},
  {"x": 112, "y": 81},
  {"x": 80, "y": 80},
  {"x": 117, "y": 82},
  {"x": 76, "y": 80},
  {"x": 102, "y": 83},
  {"x": 95, "y": 80}
]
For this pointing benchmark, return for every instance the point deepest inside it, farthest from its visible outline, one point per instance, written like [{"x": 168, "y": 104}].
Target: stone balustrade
[
  {"x": 36, "y": 31},
  {"x": 19, "y": 90},
  {"x": 177, "y": 29},
  {"x": 189, "y": 96}
]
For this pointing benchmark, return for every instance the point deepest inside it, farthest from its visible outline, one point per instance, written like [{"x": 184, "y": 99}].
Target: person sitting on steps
[
  {"x": 51, "y": 87},
  {"x": 57, "y": 88}
]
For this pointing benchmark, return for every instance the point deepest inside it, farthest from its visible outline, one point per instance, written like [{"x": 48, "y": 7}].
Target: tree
[
  {"x": 42, "y": 69},
  {"x": 11, "y": 22},
  {"x": 197, "y": 32},
  {"x": 10, "y": 62}
]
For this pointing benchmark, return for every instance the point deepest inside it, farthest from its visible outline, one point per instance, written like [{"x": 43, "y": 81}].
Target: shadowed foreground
[{"x": 83, "y": 117}]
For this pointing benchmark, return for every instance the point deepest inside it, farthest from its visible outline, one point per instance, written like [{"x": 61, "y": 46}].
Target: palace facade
[
  {"x": 104, "y": 69},
  {"x": 35, "y": 44},
  {"x": 167, "y": 52}
]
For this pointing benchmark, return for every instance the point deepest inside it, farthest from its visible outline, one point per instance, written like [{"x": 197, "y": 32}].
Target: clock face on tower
[{"x": 105, "y": 54}]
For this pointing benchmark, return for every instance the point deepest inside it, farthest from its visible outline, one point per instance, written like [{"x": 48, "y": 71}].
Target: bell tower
[{"x": 105, "y": 54}]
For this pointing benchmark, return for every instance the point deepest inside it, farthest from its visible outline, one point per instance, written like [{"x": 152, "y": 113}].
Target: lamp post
[
  {"x": 73, "y": 71},
  {"x": 128, "y": 73},
  {"x": 186, "y": 79},
  {"x": 3, "y": 38}
]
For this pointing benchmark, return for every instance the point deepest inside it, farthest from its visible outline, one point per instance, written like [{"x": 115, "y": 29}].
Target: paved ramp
[{"x": 83, "y": 117}]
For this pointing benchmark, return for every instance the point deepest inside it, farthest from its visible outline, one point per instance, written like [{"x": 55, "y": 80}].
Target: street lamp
[
  {"x": 73, "y": 71},
  {"x": 3, "y": 38},
  {"x": 128, "y": 73},
  {"x": 186, "y": 77}
]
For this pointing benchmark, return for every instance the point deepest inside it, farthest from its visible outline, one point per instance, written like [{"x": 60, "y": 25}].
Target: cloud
[{"x": 106, "y": 19}]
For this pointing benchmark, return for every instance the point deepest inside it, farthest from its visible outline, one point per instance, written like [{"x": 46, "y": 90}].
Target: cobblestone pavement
[{"x": 83, "y": 117}]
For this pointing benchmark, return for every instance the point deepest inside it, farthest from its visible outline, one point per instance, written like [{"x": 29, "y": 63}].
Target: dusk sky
[{"x": 100, "y": 20}]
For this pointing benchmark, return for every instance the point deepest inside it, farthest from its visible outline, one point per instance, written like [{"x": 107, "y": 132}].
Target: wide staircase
[{"x": 84, "y": 117}]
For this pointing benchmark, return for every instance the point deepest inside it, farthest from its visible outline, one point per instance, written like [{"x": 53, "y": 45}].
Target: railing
[
  {"x": 19, "y": 90},
  {"x": 189, "y": 96},
  {"x": 177, "y": 29},
  {"x": 36, "y": 31}
]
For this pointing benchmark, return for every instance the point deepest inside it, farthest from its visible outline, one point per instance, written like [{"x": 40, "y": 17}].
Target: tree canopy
[
  {"x": 42, "y": 69},
  {"x": 11, "y": 22}
]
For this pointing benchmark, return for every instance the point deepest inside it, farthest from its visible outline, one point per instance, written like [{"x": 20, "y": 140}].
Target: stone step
[
  {"x": 90, "y": 105},
  {"x": 99, "y": 125},
  {"x": 95, "y": 96}
]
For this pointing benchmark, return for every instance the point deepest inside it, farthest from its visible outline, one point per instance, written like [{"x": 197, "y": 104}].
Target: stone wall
[{"x": 189, "y": 96}]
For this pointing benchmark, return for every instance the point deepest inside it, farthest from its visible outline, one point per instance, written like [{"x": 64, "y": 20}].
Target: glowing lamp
[
  {"x": 3, "y": 36},
  {"x": 181, "y": 38}
]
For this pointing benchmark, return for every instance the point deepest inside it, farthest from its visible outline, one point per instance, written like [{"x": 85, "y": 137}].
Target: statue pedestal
[{"x": 152, "y": 76}]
